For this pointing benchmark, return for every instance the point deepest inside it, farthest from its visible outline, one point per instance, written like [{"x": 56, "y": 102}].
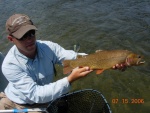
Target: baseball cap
[{"x": 18, "y": 24}]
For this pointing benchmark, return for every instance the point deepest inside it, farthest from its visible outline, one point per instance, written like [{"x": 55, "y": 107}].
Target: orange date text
[{"x": 128, "y": 101}]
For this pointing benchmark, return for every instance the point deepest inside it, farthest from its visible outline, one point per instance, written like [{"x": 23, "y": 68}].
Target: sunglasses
[{"x": 28, "y": 35}]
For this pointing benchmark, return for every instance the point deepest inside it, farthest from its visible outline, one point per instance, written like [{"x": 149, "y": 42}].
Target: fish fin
[
  {"x": 98, "y": 51},
  {"x": 99, "y": 71},
  {"x": 67, "y": 69}
]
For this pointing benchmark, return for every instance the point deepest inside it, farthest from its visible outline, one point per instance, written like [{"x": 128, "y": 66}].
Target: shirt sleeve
[
  {"x": 61, "y": 53},
  {"x": 23, "y": 89}
]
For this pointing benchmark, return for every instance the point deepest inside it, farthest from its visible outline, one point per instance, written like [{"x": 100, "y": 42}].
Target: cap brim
[{"x": 20, "y": 32}]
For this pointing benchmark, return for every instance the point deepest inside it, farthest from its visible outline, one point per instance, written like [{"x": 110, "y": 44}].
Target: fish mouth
[{"x": 140, "y": 62}]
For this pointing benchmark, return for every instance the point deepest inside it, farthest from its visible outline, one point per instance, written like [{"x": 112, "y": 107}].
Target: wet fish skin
[{"x": 102, "y": 60}]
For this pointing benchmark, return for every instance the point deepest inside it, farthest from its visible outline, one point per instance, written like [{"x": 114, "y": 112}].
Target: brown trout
[{"x": 102, "y": 60}]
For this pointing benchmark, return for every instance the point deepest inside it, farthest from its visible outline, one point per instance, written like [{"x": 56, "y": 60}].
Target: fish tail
[{"x": 67, "y": 68}]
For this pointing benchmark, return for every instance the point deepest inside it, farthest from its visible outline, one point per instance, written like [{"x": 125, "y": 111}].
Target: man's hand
[
  {"x": 121, "y": 67},
  {"x": 78, "y": 73}
]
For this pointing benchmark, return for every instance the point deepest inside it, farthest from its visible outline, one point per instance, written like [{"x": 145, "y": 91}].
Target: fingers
[
  {"x": 121, "y": 67},
  {"x": 83, "y": 70},
  {"x": 78, "y": 73}
]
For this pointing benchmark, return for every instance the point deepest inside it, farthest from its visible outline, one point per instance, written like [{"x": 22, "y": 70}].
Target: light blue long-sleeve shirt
[{"x": 30, "y": 80}]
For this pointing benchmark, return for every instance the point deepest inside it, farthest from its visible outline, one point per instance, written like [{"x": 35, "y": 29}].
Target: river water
[{"x": 94, "y": 24}]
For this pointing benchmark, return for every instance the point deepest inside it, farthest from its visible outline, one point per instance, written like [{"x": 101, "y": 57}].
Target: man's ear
[{"x": 10, "y": 38}]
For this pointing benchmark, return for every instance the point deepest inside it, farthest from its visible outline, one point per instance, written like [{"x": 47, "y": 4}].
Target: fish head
[{"x": 134, "y": 60}]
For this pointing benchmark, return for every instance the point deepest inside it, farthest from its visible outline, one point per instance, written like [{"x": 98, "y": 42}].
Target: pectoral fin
[{"x": 99, "y": 71}]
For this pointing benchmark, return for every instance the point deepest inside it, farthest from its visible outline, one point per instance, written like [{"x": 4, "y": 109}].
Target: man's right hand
[{"x": 78, "y": 73}]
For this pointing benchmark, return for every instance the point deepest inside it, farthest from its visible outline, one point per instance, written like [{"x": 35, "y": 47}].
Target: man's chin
[{"x": 31, "y": 46}]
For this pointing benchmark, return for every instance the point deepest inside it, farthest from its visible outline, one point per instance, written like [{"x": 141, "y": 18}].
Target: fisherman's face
[{"x": 27, "y": 43}]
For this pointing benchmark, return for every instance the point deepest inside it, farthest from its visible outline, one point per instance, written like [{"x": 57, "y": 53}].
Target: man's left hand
[{"x": 121, "y": 67}]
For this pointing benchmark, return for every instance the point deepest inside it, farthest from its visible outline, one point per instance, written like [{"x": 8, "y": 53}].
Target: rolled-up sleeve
[
  {"x": 61, "y": 53},
  {"x": 23, "y": 89},
  {"x": 32, "y": 82}
]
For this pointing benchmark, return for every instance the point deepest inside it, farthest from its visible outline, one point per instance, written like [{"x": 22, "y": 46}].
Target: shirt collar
[
  {"x": 39, "y": 52},
  {"x": 22, "y": 58}
]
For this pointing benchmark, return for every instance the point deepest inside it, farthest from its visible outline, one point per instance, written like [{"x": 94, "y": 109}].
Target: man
[{"x": 29, "y": 67}]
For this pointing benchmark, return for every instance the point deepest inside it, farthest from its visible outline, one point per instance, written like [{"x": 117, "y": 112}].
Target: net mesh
[{"x": 83, "y": 101}]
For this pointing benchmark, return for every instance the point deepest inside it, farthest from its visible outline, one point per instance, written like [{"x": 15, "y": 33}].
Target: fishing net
[{"x": 83, "y": 101}]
